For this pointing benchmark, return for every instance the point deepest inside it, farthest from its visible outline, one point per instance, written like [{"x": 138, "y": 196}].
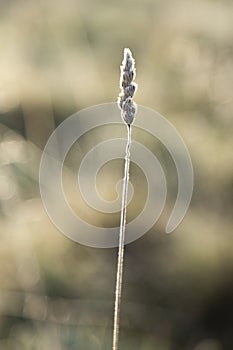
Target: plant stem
[{"x": 120, "y": 261}]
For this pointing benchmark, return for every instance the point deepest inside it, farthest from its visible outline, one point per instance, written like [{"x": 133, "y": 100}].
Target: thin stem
[{"x": 120, "y": 261}]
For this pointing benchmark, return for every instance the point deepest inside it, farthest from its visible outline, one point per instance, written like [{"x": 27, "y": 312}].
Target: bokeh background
[{"x": 58, "y": 57}]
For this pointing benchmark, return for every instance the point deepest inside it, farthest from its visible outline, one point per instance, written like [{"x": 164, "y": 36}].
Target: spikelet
[{"x": 128, "y": 88}]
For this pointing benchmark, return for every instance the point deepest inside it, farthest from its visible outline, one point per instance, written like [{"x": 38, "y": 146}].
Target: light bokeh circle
[{"x": 61, "y": 141}]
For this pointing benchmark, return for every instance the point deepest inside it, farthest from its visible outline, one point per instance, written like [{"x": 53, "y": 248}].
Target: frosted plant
[{"x": 128, "y": 110}]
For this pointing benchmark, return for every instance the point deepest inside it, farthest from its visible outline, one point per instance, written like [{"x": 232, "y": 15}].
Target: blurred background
[{"x": 58, "y": 57}]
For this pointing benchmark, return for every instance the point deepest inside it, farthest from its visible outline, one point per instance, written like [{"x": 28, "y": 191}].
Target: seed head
[{"x": 128, "y": 88}]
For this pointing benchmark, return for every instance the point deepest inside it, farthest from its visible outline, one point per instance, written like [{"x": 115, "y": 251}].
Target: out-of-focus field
[{"x": 58, "y": 57}]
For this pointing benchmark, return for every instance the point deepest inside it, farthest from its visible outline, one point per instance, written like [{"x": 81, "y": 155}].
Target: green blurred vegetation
[{"x": 58, "y": 57}]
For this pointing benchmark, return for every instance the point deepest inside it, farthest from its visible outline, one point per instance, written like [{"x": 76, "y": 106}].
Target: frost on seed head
[{"x": 128, "y": 88}]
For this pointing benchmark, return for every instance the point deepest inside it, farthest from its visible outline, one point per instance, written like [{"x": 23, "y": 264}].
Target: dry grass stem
[{"x": 128, "y": 111}]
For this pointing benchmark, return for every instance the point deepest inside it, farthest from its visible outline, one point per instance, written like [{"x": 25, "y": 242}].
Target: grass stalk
[
  {"x": 120, "y": 261},
  {"x": 128, "y": 111}
]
